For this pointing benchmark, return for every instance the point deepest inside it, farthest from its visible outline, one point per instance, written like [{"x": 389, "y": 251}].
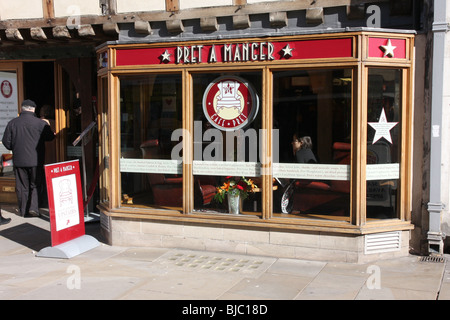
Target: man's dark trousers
[{"x": 27, "y": 180}]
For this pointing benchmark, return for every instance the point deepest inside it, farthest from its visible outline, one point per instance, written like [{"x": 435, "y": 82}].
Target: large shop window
[
  {"x": 311, "y": 140},
  {"x": 227, "y": 137},
  {"x": 384, "y": 116},
  {"x": 150, "y": 111},
  {"x": 312, "y": 111}
]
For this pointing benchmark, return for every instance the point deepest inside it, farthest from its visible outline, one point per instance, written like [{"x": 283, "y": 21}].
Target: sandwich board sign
[{"x": 65, "y": 201}]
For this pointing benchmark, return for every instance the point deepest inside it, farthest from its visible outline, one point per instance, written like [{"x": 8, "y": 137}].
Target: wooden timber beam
[
  {"x": 224, "y": 11},
  {"x": 111, "y": 28},
  {"x": 172, "y": 5},
  {"x": 142, "y": 27},
  {"x": 209, "y": 24},
  {"x": 38, "y": 34},
  {"x": 61, "y": 32},
  {"x": 86, "y": 30},
  {"x": 241, "y": 21},
  {"x": 13, "y": 34},
  {"x": 239, "y": 2},
  {"x": 174, "y": 25},
  {"x": 48, "y": 8},
  {"x": 314, "y": 16},
  {"x": 278, "y": 19}
]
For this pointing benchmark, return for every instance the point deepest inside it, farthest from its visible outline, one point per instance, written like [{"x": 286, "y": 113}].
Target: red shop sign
[
  {"x": 65, "y": 201},
  {"x": 387, "y": 48},
  {"x": 237, "y": 52}
]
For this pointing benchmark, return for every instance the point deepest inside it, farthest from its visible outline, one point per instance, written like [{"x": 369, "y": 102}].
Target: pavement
[{"x": 147, "y": 273}]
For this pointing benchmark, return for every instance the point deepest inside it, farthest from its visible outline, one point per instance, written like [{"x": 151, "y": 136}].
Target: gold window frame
[{"x": 359, "y": 62}]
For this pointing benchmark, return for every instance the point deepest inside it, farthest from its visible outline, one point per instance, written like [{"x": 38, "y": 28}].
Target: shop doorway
[
  {"x": 39, "y": 86},
  {"x": 76, "y": 113},
  {"x": 61, "y": 89}
]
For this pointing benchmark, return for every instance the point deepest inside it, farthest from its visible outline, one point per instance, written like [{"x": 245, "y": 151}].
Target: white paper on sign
[{"x": 65, "y": 197}]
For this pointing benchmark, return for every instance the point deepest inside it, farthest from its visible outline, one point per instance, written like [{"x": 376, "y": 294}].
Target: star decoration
[
  {"x": 382, "y": 128},
  {"x": 388, "y": 49},
  {"x": 166, "y": 56},
  {"x": 287, "y": 51}
]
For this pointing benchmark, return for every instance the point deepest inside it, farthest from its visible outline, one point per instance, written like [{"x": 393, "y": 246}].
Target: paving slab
[
  {"x": 151, "y": 273},
  {"x": 329, "y": 286},
  {"x": 385, "y": 293}
]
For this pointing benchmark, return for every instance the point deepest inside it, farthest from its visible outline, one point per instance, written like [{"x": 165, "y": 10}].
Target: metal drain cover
[
  {"x": 432, "y": 259},
  {"x": 215, "y": 262}
]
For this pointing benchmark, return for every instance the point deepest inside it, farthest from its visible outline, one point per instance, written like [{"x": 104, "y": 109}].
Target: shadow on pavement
[
  {"x": 28, "y": 235},
  {"x": 36, "y": 238}
]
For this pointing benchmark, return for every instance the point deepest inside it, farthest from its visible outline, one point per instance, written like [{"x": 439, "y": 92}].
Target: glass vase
[{"x": 234, "y": 203}]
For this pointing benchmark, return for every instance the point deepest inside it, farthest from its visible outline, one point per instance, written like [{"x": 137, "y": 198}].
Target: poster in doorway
[{"x": 8, "y": 101}]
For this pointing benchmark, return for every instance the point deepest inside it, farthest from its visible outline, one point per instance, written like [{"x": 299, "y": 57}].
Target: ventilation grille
[{"x": 382, "y": 242}]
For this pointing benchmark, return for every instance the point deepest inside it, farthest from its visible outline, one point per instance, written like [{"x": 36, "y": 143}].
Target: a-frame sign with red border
[{"x": 65, "y": 201}]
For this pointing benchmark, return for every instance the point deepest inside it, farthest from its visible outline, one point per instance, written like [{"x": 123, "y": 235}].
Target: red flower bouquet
[{"x": 234, "y": 186}]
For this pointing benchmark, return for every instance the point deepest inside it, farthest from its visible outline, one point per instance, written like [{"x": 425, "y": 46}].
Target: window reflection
[
  {"x": 150, "y": 111},
  {"x": 226, "y": 138},
  {"x": 312, "y": 110},
  {"x": 383, "y": 142}
]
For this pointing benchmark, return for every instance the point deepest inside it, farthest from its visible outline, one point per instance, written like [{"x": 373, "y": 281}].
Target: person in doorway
[{"x": 26, "y": 136}]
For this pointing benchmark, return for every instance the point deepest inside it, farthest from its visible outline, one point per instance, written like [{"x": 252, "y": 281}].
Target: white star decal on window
[{"x": 382, "y": 128}]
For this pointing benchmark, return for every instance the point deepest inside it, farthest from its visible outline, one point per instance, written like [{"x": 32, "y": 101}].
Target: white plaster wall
[
  {"x": 191, "y": 4},
  {"x": 65, "y": 8},
  {"x": 124, "y": 6},
  {"x": 21, "y": 9},
  {"x": 257, "y": 1},
  {"x": 448, "y": 13}
]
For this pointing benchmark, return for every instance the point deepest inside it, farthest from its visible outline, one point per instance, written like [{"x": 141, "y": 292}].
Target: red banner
[
  {"x": 387, "y": 48},
  {"x": 237, "y": 52},
  {"x": 65, "y": 201}
]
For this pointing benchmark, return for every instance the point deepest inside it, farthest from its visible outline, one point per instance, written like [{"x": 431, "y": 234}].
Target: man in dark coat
[{"x": 26, "y": 136}]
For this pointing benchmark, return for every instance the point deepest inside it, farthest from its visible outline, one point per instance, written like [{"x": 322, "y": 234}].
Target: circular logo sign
[
  {"x": 6, "y": 89},
  {"x": 230, "y": 103}
]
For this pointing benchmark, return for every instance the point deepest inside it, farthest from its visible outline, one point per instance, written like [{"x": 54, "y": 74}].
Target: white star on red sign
[
  {"x": 382, "y": 128},
  {"x": 166, "y": 56},
  {"x": 388, "y": 49},
  {"x": 287, "y": 51}
]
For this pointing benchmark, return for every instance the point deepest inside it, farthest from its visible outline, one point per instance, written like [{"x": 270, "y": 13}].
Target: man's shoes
[
  {"x": 4, "y": 220},
  {"x": 32, "y": 214}
]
